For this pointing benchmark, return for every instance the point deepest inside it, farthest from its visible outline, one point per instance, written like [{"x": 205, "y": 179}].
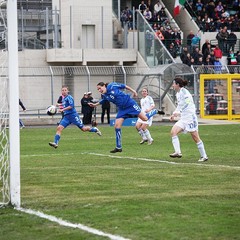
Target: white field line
[
  {"x": 205, "y": 164},
  {"x": 72, "y": 225},
  {"x": 163, "y": 161}
]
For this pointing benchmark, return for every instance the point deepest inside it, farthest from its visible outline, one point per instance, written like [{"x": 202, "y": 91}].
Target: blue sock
[
  {"x": 151, "y": 113},
  {"x": 118, "y": 132},
  {"x": 57, "y": 138},
  {"x": 93, "y": 129}
]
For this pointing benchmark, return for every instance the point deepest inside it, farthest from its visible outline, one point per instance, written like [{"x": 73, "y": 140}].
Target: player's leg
[
  {"x": 57, "y": 136},
  {"x": 118, "y": 133},
  {"x": 140, "y": 132},
  {"x": 76, "y": 120},
  {"x": 175, "y": 141},
  {"x": 200, "y": 146},
  {"x": 147, "y": 134},
  {"x": 145, "y": 116}
]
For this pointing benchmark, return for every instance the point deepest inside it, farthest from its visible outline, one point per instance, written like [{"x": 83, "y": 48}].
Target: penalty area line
[
  {"x": 69, "y": 224},
  {"x": 164, "y": 161}
]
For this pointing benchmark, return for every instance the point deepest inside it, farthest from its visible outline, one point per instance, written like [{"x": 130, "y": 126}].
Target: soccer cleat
[
  {"x": 143, "y": 141},
  {"x": 116, "y": 150},
  {"x": 98, "y": 132},
  {"x": 175, "y": 155},
  {"x": 53, "y": 144},
  {"x": 150, "y": 142},
  {"x": 202, "y": 159},
  {"x": 161, "y": 112}
]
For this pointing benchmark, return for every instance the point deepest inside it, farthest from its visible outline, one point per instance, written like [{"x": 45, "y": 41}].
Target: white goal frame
[{"x": 14, "y": 139}]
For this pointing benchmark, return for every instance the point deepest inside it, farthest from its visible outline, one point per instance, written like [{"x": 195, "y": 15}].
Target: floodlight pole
[{"x": 14, "y": 138}]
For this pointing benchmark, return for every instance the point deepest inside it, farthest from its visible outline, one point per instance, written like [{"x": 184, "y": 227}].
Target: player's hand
[
  {"x": 92, "y": 104},
  {"x": 135, "y": 94}
]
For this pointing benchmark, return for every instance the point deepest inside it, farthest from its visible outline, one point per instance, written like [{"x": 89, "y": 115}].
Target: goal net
[{"x": 4, "y": 139}]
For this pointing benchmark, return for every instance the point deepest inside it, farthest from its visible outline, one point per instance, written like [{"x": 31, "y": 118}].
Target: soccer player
[
  {"x": 70, "y": 116},
  {"x": 127, "y": 107},
  {"x": 147, "y": 105},
  {"x": 188, "y": 120}
]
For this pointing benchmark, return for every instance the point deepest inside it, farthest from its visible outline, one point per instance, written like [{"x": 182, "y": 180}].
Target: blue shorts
[
  {"x": 128, "y": 111},
  {"x": 71, "y": 119}
]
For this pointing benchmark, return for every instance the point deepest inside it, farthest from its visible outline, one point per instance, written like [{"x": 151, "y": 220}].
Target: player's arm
[
  {"x": 131, "y": 90},
  {"x": 94, "y": 104}
]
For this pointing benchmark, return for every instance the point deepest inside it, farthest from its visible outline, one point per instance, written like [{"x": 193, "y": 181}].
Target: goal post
[{"x": 14, "y": 138}]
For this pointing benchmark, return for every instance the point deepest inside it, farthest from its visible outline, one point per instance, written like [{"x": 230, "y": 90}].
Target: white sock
[
  {"x": 201, "y": 149},
  {"x": 141, "y": 133},
  {"x": 147, "y": 135},
  {"x": 176, "y": 144}
]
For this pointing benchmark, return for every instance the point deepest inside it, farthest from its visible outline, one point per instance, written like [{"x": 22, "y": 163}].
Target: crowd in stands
[
  {"x": 212, "y": 15},
  {"x": 221, "y": 17},
  {"x": 157, "y": 18}
]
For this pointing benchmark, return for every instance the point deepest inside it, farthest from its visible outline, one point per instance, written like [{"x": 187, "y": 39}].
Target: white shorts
[
  {"x": 148, "y": 122},
  {"x": 188, "y": 123}
]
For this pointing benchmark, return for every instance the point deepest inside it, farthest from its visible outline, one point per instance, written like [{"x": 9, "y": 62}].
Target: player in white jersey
[
  {"x": 188, "y": 121},
  {"x": 147, "y": 104}
]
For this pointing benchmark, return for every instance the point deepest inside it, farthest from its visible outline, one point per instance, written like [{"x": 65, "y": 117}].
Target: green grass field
[{"x": 139, "y": 194}]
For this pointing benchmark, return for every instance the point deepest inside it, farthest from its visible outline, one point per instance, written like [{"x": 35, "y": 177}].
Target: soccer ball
[{"x": 51, "y": 110}]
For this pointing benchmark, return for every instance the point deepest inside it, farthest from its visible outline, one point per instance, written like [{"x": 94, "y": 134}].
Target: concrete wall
[{"x": 97, "y": 13}]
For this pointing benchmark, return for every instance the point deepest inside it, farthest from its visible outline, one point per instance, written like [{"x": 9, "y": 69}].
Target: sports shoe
[
  {"x": 116, "y": 150},
  {"x": 202, "y": 159},
  {"x": 53, "y": 144},
  {"x": 150, "y": 142},
  {"x": 143, "y": 141},
  {"x": 161, "y": 112},
  {"x": 175, "y": 155},
  {"x": 98, "y": 132}
]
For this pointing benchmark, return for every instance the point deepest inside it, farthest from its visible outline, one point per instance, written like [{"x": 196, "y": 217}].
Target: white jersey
[
  {"x": 146, "y": 103},
  {"x": 185, "y": 103},
  {"x": 186, "y": 107}
]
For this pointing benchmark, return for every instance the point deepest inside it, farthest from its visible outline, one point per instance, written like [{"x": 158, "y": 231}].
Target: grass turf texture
[{"x": 128, "y": 196}]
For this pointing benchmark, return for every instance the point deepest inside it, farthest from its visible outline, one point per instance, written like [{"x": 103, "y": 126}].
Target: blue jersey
[
  {"x": 116, "y": 96},
  {"x": 126, "y": 105},
  {"x": 70, "y": 116},
  {"x": 69, "y": 101}
]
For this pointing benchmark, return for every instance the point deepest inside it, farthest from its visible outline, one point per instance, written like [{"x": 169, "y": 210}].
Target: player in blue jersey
[
  {"x": 70, "y": 117},
  {"x": 127, "y": 107}
]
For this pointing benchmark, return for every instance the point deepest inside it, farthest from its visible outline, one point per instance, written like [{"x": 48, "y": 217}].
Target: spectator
[
  {"x": 231, "y": 58},
  {"x": 157, "y": 8},
  {"x": 195, "y": 42},
  {"x": 231, "y": 41},
  {"x": 212, "y": 56},
  {"x": 147, "y": 14},
  {"x": 222, "y": 37},
  {"x": 212, "y": 105},
  {"x": 189, "y": 41},
  {"x": 142, "y": 7},
  {"x": 219, "y": 8},
  {"x": 206, "y": 51},
  {"x": 199, "y": 7},
  {"x": 217, "y": 52},
  {"x": 149, "y": 42},
  {"x": 163, "y": 16},
  {"x": 150, "y": 6},
  {"x": 172, "y": 50},
  {"x": 86, "y": 109},
  {"x": 105, "y": 109},
  {"x": 217, "y": 66}
]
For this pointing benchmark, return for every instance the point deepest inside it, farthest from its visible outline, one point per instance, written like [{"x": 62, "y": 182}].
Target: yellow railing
[{"x": 225, "y": 90}]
